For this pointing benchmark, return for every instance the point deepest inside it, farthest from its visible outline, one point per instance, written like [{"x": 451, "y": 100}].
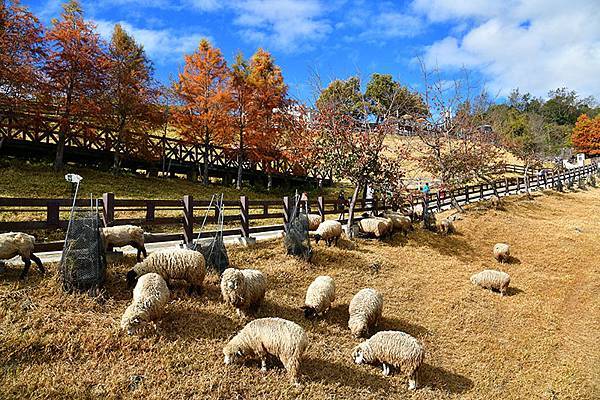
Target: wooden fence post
[
  {"x": 321, "y": 207},
  {"x": 245, "y": 216},
  {"x": 506, "y": 191},
  {"x": 188, "y": 219},
  {"x": 286, "y": 212},
  {"x": 467, "y": 194},
  {"x": 438, "y": 202},
  {"x": 108, "y": 208},
  {"x": 481, "y": 191},
  {"x": 150, "y": 211},
  {"x": 518, "y": 185},
  {"x": 53, "y": 214}
]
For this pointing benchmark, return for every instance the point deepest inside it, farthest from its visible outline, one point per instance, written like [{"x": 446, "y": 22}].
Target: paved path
[{"x": 54, "y": 256}]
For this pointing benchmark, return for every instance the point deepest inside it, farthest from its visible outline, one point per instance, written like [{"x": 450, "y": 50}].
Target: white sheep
[
  {"x": 319, "y": 296},
  {"x": 365, "y": 311},
  {"x": 329, "y": 231},
  {"x": 150, "y": 297},
  {"x": 173, "y": 263},
  {"x": 401, "y": 222},
  {"x": 446, "y": 227},
  {"x": 373, "y": 226},
  {"x": 392, "y": 349},
  {"x": 313, "y": 221},
  {"x": 19, "y": 244},
  {"x": 492, "y": 279},
  {"x": 494, "y": 201},
  {"x": 244, "y": 289},
  {"x": 278, "y": 337},
  {"x": 123, "y": 235},
  {"x": 502, "y": 252}
]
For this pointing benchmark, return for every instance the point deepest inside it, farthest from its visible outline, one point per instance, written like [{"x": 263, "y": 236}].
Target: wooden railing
[
  {"x": 249, "y": 216},
  {"x": 157, "y": 152}
]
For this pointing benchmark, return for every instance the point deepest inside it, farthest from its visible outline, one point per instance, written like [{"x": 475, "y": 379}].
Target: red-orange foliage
[
  {"x": 586, "y": 135},
  {"x": 21, "y": 50},
  {"x": 76, "y": 69},
  {"x": 204, "y": 98}
]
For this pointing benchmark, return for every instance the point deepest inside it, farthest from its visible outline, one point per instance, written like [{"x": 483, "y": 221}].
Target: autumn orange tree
[
  {"x": 204, "y": 98},
  {"x": 586, "y": 135},
  {"x": 75, "y": 69},
  {"x": 21, "y": 52},
  {"x": 268, "y": 111},
  {"x": 132, "y": 94}
]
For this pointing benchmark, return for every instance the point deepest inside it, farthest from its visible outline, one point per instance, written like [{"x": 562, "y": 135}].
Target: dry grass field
[{"x": 539, "y": 342}]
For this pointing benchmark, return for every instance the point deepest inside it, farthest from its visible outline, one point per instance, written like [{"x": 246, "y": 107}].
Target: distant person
[
  {"x": 425, "y": 189},
  {"x": 342, "y": 204}
]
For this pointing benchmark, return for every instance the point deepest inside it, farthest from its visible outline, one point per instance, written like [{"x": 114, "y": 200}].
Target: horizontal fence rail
[
  {"x": 29, "y": 134},
  {"x": 247, "y": 216}
]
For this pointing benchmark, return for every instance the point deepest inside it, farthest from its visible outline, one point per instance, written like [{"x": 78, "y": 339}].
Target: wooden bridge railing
[{"x": 144, "y": 149}]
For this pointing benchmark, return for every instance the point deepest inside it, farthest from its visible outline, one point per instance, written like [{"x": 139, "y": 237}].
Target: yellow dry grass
[{"x": 540, "y": 342}]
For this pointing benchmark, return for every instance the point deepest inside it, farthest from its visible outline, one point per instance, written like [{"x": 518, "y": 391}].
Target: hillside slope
[{"x": 541, "y": 341}]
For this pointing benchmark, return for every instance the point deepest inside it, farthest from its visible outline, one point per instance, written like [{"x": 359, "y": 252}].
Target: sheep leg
[
  {"x": 39, "y": 264},
  {"x": 386, "y": 369},
  {"x": 292, "y": 365},
  {"x": 336, "y": 240},
  {"x": 25, "y": 271},
  {"x": 1, "y": 266},
  {"x": 138, "y": 248},
  {"x": 263, "y": 363},
  {"x": 413, "y": 380}
]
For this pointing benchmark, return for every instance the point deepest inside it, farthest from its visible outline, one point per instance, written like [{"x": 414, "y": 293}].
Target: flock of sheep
[{"x": 244, "y": 289}]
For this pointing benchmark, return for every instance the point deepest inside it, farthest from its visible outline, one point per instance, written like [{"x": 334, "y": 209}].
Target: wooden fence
[
  {"x": 248, "y": 214},
  {"x": 31, "y": 135}
]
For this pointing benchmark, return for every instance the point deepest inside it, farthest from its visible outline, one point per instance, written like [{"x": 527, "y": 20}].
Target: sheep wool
[
  {"x": 319, "y": 296},
  {"x": 392, "y": 349},
  {"x": 278, "y": 337},
  {"x": 492, "y": 279},
  {"x": 244, "y": 289},
  {"x": 446, "y": 227},
  {"x": 495, "y": 201},
  {"x": 502, "y": 252},
  {"x": 20, "y": 244},
  {"x": 150, "y": 297},
  {"x": 313, "y": 221},
  {"x": 365, "y": 311},
  {"x": 123, "y": 235},
  {"x": 373, "y": 226},
  {"x": 171, "y": 264},
  {"x": 329, "y": 231}
]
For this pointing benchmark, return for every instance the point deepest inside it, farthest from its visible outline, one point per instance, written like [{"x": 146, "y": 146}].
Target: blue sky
[{"x": 536, "y": 45}]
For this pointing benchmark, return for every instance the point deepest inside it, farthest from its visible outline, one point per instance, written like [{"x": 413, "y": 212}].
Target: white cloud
[
  {"x": 288, "y": 25},
  {"x": 391, "y": 25},
  {"x": 162, "y": 45},
  {"x": 534, "y": 45}
]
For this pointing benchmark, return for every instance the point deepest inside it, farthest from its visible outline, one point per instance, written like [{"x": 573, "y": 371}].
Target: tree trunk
[
  {"x": 238, "y": 183},
  {"x": 455, "y": 203},
  {"x": 269, "y": 182},
  {"x": 206, "y": 155},
  {"x": 526, "y": 179},
  {"x": 117, "y": 157},
  {"x": 60, "y": 147},
  {"x": 351, "y": 209}
]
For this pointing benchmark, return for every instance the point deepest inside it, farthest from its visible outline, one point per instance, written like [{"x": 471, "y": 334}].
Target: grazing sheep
[
  {"x": 281, "y": 338},
  {"x": 492, "y": 279},
  {"x": 319, "y": 297},
  {"x": 400, "y": 222},
  {"x": 172, "y": 263},
  {"x": 243, "y": 288},
  {"x": 19, "y": 244},
  {"x": 313, "y": 221},
  {"x": 150, "y": 297},
  {"x": 502, "y": 252},
  {"x": 365, "y": 311},
  {"x": 495, "y": 201},
  {"x": 329, "y": 231},
  {"x": 417, "y": 212},
  {"x": 392, "y": 349},
  {"x": 123, "y": 235},
  {"x": 373, "y": 226},
  {"x": 389, "y": 225},
  {"x": 446, "y": 227}
]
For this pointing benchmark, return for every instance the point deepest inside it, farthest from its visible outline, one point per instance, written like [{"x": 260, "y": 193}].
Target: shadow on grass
[
  {"x": 321, "y": 370},
  {"x": 513, "y": 291},
  {"x": 443, "y": 379},
  {"x": 448, "y": 245},
  {"x": 396, "y": 324}
]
